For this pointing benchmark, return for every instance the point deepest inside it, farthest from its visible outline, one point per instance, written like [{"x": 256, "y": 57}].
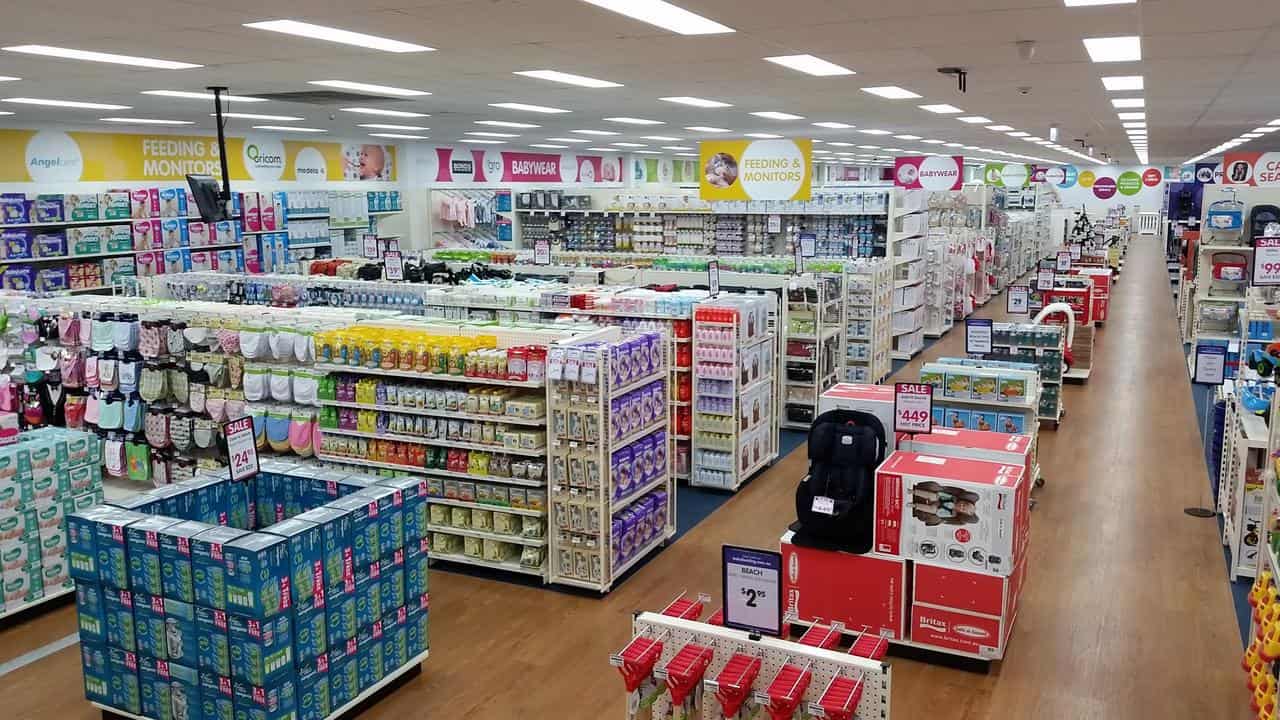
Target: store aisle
[{"x": 1125, "y": 614}]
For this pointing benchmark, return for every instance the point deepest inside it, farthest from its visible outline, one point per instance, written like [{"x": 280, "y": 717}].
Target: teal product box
[
  {"x": 91, "y": 612},
  {"x": 211, "y": 501},
  {"x": 336, "y": 553},
  {"x": 170, "y": 500},
  {"x": 368, "y": 597},
  {"x": 169, "y": 691},
  {"x": 213, "y": 646},
  {"x": 369, "y": 661},
  {"x": 269, "y": 501},
  {"x": 395, "y": 639},
  {"x": 340, "y": 616},
  {"x": 391, "y": 576},
  {"x": 415, "y": 568},
  {"x": 305, "y": 542},
  {"x": 122, "y": 669},
  {"x": 15, "y": 461},
  {"x": 390, "y": 517},
  {"x": 180, "y": 638},
  {"x": 217, "y": 701},
  {"x": 416, "y": 630},
  {"x": 138, "y": 502},
  {"x": 413, "y": 506},
  {"x": 209, "y": 563},
  {"x": 278, "y": 702},
  {"x": 143, "y": 539},
  {"x": 175, "y": 559},
  {"x": 258, "y": 575},
  {"x": 241, "y": 502},
  {"x": 310, "y": 634},
  {"x": 148, "y": 625},
  {"x": 118, "y": 610},
  {"x": 97, "y": 677},
  {"x": 334, "y": 484},
  {"x": 344, "y": 673},
  {"x": 313, "y": 690},
  {"x": 111, "y": 547},
  {"x": 261, "y": 650},
  {"x": 364, "y": 529}
]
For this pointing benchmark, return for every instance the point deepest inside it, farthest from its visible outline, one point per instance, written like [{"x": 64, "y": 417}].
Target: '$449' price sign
[
  {"x": 912, "y": 408},
  {"x": 1266, "y": 261}
]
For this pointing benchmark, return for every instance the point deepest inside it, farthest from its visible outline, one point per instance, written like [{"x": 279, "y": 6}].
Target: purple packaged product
[
  {"x": 17, "y": 244},
  {"x": 621, "y": 360},
  {"x": 20, "y": 277},
  {"x": 615, "y": 417},
  {"x": 15, "y": 209},
  {"x": 49, "y": 244},
  {"x": 660, "y": 452},
  {"x": 616, "y": 530},
  {"x": 620, "y": 469},
  {"x": 639, "y": 358},
  {"x": 655, "y": 351},
  {"x": 639, "y": 468},
  {"x": 48, "y": 208},
  {"x": 52, "y": 280}
]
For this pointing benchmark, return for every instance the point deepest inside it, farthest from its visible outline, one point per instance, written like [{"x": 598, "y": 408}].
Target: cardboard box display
[
  {"x": 258, "y": 570},
  {"x": 212, "y": 641},
  {"x": 169, "y": 691},
  {"x": 1000, "y": 447},
  {"x": 966, "y": 612},
  {"x": 176, "y": 579},
  {"x": 310, "y": 634},
  {"x": 278, "y": 702},
  {"x": 964, "y": 513},
  {"x": 122, "y": 669},
  {"x": 874, "y": 399},
  {"x": 335, "y": 527},
  {"x": 217, "y": 701},
  {"x": 209, "y": 566},
  {"x": 305, "y": 543},
  {"x": 261, "y": 650},
  {"x": 91, "y": 612},
  {"x": 859, "y": 590},
  {"x": 143, "y": 538}
]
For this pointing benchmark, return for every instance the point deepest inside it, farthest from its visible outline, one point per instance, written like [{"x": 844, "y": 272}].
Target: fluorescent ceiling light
[
  {"x": 595, "y": 132},
  {"x": 548, "y": 146},
  {"x": 481, "y": 133},
  {"x": 821, "y": 152},
  {"x": 1085, "y": 3},
  {"x": 482, "y": 141},
  {"x": 1122, "y": 82},
  {"x": 833, "y": 125},
  {"x": 398, "y": 136},
  {"x": 381, "y": 126},
  {"x": 1019, "y": 133},
  {"x": 942, "y": 109},
  {"x": 1000, "y": 128},
  {"x": 5, "y": 112},
  {"x": 337, "y": 35},
  {"x": 891, "y": 92},
  {"x": 369, "y": 88},
  {"x": 841, "y": 144},
  {"x": 629, "y": 144},
  {"x": 200, "y": 96},
  {"x": 1267, "y": 129},
  {"x": 507, "y": 124},
  {"x": 568, "y": 140},
  {"x": 707, "y": 129},
  {"x": 145, "y": 121},
  {"x": 874, "y": 131},
  {"x": 893, "y": 149},
  {"x": 952, "y": 145},
  {"x": 907, "y": 137},
  {"x": 380, "y": 111},
  {"x": 10, "y": 78},
  {"x": 1251, "y": 135},
  {"x": 810, "y": 65},
  {"x": 1132, "y": 115},
  {"x": 567, "y": 78},
  {"x": 662, "y": 138},
  {"x": 664, "y": 15},
  {"x": 603, "y": 149},
  {"x": 634, "y": 121},
  {"x": 869, "y": 147},
  {"x": 686, "y": 154},
  {"x": 1128, "y": 103},
  {"x": 289, "y": 128},
  {"x": 1044, "y": 142},
  {"x": 974, "y": 119},
  {"x": 1274, "y": 122},
  {"x": 696, "y": 102},
  {"x": 255, "y": 116},
  {"x": 775, "y": 115},
  {"x": 933, "y": 142},
  {"x": 1125, "y": 48},
  {"x": 686, "y": 147},
  {"x": 73, "y": 104},
  {"x": 763, "y": 136},
  {"x": 646, "y": 152},
  {"x": 1137, "y": 124},
  {"x": 91, "y": 56},
  {"x": 529, "y": 108}
]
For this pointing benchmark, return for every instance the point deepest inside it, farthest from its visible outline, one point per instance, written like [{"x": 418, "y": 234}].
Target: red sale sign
[
  {"x": 912, "y": 408},
  {"x": 1266, "y": 261}
]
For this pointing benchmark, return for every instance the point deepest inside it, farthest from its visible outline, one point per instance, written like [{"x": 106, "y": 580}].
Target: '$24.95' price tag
[{"x": 912, "y": 408}]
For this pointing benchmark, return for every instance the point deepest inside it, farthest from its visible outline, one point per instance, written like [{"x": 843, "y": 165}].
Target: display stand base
[
  {"x": 911, "y": 651},
  {"x": 22, "y": 613}
]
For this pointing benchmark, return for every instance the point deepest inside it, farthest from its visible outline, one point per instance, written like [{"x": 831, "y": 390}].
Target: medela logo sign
[
  {"x": 263, "y": 158},
  {"x": 53, "y": 156}
]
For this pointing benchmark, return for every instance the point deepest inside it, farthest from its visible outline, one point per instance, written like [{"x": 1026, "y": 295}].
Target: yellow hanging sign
[{"x": 756, "y": 169}]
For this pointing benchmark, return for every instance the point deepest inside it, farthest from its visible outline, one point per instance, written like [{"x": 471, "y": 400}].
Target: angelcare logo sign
[
  {"x": 264, "y": 158},
  {"x": 54, "y": 156}
]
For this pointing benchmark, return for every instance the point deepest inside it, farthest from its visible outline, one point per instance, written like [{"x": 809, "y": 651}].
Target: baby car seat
[{"x": 835, "y": 503}]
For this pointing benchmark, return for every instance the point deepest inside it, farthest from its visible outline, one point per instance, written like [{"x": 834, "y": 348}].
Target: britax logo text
[
  {"x": 535, "y": 167},
  {"x": 934, "y": 624}
]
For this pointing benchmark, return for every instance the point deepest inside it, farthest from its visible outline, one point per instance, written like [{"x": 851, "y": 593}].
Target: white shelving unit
[
  {"x": 1014, "y": 342},
  {"x": 868, "y": 340},
  {"x": 815, "y": 322},
  {"x": 908, "y": 227},
  {"x": 1240, "y": 485},
  {"x": 1027, "y": 408}
]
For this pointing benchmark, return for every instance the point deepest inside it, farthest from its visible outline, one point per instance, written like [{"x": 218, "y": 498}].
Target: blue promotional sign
[
  {"x": 1211, "y": 364},
  {"x": 752, "y": 590}
]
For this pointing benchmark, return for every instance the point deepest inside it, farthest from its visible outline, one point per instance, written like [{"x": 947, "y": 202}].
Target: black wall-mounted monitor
[{"x": 208, "y": 194}]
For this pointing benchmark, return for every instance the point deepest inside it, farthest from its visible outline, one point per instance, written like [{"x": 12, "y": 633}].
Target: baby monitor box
[
  {"x": 118, "y": 610},
  {"x": 82, "y": 554},
  {"x": 182, "y": 643},
  {"x": 413, "y": 505},
  {"x": 258, "y": 575},
  {"x": 874, "y": 399},
  {"x": 859, "y": 590},
  {"x": 122, "y": 669},
  {"x": 217, "y": 701},
  {"x": 110, "y": 543},
  {"x": 261, "y": 650},
  {"x": 212, "y": 640},
  {"x": 969, "y": 514},
  {"x": 313, "y": 689},
  {"x": 959, "y": 610},
  {"x": 82, "y": 208},
  {"x": 310, "y": 634},
  {"x": 143, "y": 540},
  {"x": 305, "y": 542},
  {"x": 335, "y": 528},
  {"x": 93, "y": 662},
  {"x": 169, "y": 691},
  {"x": 278, "y": 702},
  {"x": 209, "y": 565},
  {"x": 148, "y": 624},
  {"x": 91, "y": 612},
  {"x": 252, "y": 212}
]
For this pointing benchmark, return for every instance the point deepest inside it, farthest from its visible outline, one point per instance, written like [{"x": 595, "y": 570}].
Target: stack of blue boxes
[{"x": 285, "y": 596}]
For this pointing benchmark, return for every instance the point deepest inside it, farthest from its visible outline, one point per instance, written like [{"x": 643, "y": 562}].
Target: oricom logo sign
[
  {"x": 264, "y": 158},
  {"x": 53, "y": 157}
]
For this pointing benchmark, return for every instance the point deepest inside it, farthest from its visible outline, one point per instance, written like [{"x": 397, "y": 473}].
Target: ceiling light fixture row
[{"x": 1246, "y": 137}]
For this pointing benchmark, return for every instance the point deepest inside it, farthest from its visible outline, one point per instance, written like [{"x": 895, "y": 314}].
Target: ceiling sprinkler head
[{"x": 1026, "y": 49}]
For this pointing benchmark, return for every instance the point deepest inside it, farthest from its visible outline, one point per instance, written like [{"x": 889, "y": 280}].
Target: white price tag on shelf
[
  {"x": 1211, "y": 364},
  {"x": 808, "y": 244},
  {"x": 369, "y": 246},
  {"x": 1018, "y": 300},
  {"x": 1266, "y": 261},
  {"x": 1076, "y": 252},
  {"x": 393, "y": 245},
  {"x": 752, "y": 590},
  {"x": 977, "y": 336},
  {"x": 1064, "y": 261},
  {"x": 394, "y": 263},
  {"x": 1044, "y": 279},
  {"x": 912, "y": 408},
  {"x": 242, "y": 450},
  {"x": 713, "y": 277},
  {"x": 542, "y": 252},
  {"x": 775, "y": 224}
]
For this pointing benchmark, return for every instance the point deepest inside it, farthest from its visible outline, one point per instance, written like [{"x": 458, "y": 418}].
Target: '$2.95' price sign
[
  {"x": 1266, "y": 261},
  {"x": 913, "y": 408}
]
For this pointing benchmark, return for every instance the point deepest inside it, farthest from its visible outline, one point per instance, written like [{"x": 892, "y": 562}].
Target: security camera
[
  {"x": 1024, "y": 90},
  {"x": 332, "y": 117},
  {"x": 1026, "y": 49}
]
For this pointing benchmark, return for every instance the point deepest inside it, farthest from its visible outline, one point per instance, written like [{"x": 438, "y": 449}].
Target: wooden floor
[{"x": 1126, "y": 613}]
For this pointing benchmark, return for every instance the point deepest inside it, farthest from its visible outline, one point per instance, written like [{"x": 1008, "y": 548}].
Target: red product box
[
  {"x": 874, "y": 399},
  {"x": 963, "y": 513},
  {"x": 964, "y": 612},
  {"x": 861, "y": 591},
  {"x": 975, "y": 444}
]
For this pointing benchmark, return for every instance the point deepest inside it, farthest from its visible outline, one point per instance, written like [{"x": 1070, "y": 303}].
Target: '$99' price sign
[
  {"x": 1266, "y": 261},
  {"x": 912, "y": 408}
]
